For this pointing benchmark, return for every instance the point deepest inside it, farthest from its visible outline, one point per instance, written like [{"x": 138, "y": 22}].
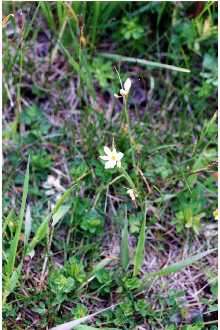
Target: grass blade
[
  {"x": 11, "y": 282},
  {"x": 102, "y": 264},
  {"x": 95, "y": 17},
  {"x": 116, "y": 57},
  {"x": 43, "y": 229},
  {"x": 46, "y": 9},
  {"x": 7, "y": 220},
  {"x": 14, "y": 244},
  {"x": 139, "y": 253},
  {"x": 39, "y": 235},
  {"x": 27, "y": 225},
  {"x": 86, "y": 327},
  {"x": 61, "y": 212},
  {"x": 67, "y": 193},
  {"x": 73, "y": 324},
  {"x": 124, "y": 250},
  {"x": 12, "y": 275},
  {"x": 176, "y": 267}
]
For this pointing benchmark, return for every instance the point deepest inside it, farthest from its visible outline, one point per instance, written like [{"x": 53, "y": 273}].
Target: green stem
[
  {"x": 128, "y": 178},
  {"x": 18, "y": 108},
  {"x": 129, "y": 131}
]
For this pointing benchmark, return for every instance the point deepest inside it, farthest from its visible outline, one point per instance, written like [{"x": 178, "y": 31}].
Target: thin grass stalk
[
  {"x": 129, "y": 132},
  {"x": 120, "y": 58},
  {"x": 18, "y": 99}
]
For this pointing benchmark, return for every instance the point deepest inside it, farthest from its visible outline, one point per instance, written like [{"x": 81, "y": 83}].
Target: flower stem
[
  {"x": 129, "y": 131},
  {"x": 128, "y": 178}
]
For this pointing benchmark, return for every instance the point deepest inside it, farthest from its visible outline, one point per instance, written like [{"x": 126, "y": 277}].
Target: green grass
[{"x": 78, "y": 252}]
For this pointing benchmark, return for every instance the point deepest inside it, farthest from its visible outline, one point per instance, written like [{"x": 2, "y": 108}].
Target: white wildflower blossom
[
  {"x": 112, "y": 157},
  {"x": 126, "y": 88}
]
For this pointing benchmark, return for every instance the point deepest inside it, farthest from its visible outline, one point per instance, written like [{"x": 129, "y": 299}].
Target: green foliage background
[{"x": 59, "y": 109}]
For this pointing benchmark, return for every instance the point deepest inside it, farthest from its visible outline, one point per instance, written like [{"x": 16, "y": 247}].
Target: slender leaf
[
  {"x": 39, "y": 235},
  {"x": 176, "y": 267},
  {"x": 100, "y": 265},
  {"x": 120, "y": 58},
  {"x": 124, "y": 245},
  {"x": 95, "y": 17},
  {"x": 7, "y": 220},
  {"x": 87, "y": 327},
  {"x": 47, "y": 11},
  {"x": 27, "y": 225},
  {"x": 73, "y": 324},
  {"x": 62, "y": 199},
  {"x": 67, "y": 193},
  {"x": 14, "y": 244},
  {"x": 61, "y": 212},
  {"x": 139, "y": 253},
  {"x": 11, "y": 282}
]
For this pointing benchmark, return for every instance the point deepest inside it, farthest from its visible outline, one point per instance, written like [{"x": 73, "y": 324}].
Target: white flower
[
  {"x": 125, "y": 91},
  {"x": 112, "y": 158},
  {"x": 132, "y": 194},
  {"x": 127, "y": 86}
]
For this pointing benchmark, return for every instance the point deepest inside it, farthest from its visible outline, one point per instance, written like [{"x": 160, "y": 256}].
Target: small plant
[
  {"x": 60, "y": 285},
  {"x": 79, "y": 311},
  {"x": 187, "y": 219},
  {"x": 92, "y": 222},
  {"x": 131, "y": 29},
  {"x": 102, "y": 71}
]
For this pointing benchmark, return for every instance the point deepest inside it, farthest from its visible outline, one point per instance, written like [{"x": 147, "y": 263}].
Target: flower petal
[
  {"x": 104, "y": 157},
  {"x": 110, "y": 164},
  {"x": 107, "y": 150},
  {"x": 114, "y": 153},
  {"x": 127, "y": 84},
  {"x": 120, "y": 155}
]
